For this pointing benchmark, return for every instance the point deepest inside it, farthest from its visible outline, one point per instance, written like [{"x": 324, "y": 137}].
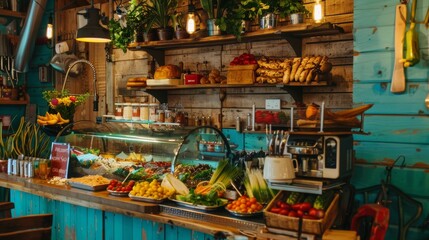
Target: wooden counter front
[{"x": 102, "y": 200}]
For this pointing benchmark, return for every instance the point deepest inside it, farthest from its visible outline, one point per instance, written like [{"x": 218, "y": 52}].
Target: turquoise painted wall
[{"x": 398, "y": 123}]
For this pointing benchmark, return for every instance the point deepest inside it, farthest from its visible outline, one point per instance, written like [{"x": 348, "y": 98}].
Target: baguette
[
  {"x": 295, "y": 66},
  {"x": 301, "y": 68},
  {"x": 287, "y": 72},
  {"x": 307, "y": 68},
  {"x": 312, "y": 73}
]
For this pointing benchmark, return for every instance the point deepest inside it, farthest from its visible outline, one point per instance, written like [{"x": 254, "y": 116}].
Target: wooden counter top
[{"x": 123, "y": 205}]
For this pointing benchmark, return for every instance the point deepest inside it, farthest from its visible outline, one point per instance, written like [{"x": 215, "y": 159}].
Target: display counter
[{"x": 217, "y": 223}]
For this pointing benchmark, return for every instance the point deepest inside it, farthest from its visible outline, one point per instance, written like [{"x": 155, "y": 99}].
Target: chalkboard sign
[{"x": 60, "y": 153}]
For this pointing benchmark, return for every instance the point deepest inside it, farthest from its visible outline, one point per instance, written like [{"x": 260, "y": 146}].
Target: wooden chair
[
  {"x": 5, "y": 209},
  {"x": 31, "y": 227}
]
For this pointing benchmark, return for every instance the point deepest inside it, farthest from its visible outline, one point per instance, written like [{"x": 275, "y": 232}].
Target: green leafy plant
[
  {"x": 249, "y": 10},
  {"x": 161, "y": 11},
  {"x": 122, "y": 30},
  {"x": 284, "y": 7}
]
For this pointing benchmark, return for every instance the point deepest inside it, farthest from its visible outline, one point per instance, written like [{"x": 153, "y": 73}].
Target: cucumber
[
  {"x": 310, "y": 198},
  {"x": 323, "y": 201},
  {"x": 294, "y": 197}
]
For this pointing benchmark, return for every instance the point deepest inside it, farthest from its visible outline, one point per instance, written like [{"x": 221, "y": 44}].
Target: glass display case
[{"x": 114, "y": 149}]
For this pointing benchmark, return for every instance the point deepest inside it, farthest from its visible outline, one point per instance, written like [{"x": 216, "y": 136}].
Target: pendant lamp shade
[{"x": 93, "y": 31}]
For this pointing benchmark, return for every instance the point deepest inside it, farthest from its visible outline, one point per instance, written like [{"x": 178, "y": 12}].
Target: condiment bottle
[{"x": 135, "y": 111}]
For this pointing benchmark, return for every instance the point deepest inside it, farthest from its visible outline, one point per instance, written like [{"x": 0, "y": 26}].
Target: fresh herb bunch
[{"x": 284, "y": 7}]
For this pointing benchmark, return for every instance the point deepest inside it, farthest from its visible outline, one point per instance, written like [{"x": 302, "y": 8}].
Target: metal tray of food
[
  {"x": 241, "y": 214},
  {"x": 118, "y": 193},
  {"x": 100, "y": 187},
  {"x": 145, "y": 199},
  {"x": 199, "y": 207}
]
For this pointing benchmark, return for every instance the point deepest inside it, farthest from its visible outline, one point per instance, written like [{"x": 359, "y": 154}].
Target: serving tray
[
  {"x": 199, "y": 207},
  {"x": 118, "y": 194},
  {"x": 240, "y": 214},
  {"x": 100, "y": 187},
  {"x": 145, "y": 199}
]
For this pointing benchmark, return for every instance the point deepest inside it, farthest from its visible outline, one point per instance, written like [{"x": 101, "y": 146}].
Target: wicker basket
[{"x": 317, "y": 227}]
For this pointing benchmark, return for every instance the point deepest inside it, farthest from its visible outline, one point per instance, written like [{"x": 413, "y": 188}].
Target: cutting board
[{"x": 398, "y": 76}]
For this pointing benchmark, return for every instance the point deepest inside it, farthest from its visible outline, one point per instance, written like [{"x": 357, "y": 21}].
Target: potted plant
[
  {"x": 275, "y": 9},
  {"x": 248, "y": 11},
  {"x": 297, "y": 11},
  {"x": 124, "y": 28},
  {"x": 160, "y": 13},
  {"x": 179, "y": 28},
  {"x": 216, "y": 11}
]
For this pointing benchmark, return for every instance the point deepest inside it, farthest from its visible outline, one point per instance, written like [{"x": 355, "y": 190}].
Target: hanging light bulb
[
  {"x": 49, "y": 29},
  {"x": 317, "y": 12},
  {"x": 190, "y": 22}
]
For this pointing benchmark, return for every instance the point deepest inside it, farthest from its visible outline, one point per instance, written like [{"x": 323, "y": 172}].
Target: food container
[
  {"x": 192, "y": 79},
  {"x": 144, "y": 112},
  {"x": 152, "y": 111},
  {"x": 241, "y": 74},
  {"x": 317, "y": 227},
  {"x": 128, "y": 111},
  {"x": 135, "y": 111},
  {"x": 119, "y": 110}
]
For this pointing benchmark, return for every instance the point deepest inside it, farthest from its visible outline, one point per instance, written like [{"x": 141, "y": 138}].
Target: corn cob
[{"x": 412, "y": 40}]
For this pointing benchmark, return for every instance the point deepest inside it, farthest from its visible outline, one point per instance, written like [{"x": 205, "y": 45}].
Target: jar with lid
[
  {"x": 152, "y": 111},
  {"x": 128, "y": 111},
  {"x": 119, "y": 108},
  {"x": 161, "y": 115},
  {"x": 135, "y": 111},
  {"x": 144, "y": 112}
]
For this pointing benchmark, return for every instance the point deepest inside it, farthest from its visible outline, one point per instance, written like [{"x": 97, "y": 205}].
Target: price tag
[{"x": 60, "y": 155}]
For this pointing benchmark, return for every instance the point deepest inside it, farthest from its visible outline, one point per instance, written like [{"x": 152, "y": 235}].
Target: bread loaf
[
  {"x": 137, "y": 82},
  {"x": 167, "y": 72}
]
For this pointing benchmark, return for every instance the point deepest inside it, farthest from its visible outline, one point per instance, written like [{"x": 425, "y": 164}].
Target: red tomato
[
  {"x": 284, "y": 212},
  {"x": 309, "y": 217},
  {"x": 312, "y": 212},
  {"x": 292, "y": 214},
  {"x": 300, "y": 213},
  {"x": 275, "y": 210},
  {"x": 305, "y": 206},
  {"x": 320, "y": 214},
  {"x": 285, "y": 206},
  {"x": 296, "y": 206}
]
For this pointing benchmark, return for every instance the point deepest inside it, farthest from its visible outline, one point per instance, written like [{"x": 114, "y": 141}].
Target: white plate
[{"x": 118, "y": 194}]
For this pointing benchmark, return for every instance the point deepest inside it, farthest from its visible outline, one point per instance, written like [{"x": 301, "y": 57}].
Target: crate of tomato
[
  {"x": 241, "y": 70},
  {"x": 318, "y": 212}
]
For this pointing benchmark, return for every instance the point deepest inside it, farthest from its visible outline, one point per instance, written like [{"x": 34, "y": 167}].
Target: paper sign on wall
[{"x": 60, "y": 153}]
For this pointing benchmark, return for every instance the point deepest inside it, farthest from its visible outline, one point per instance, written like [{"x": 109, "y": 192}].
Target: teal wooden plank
[
  {"x": 148, "y": 230},
  {"x": 412, "y": 101},
  {"x": 96, "y": 224},
  {"x": 158, "y": 231},
  {"x": 396, "y": 129},
  {"x": 387, "y": 153},
  {"x": 368, "y": 13},
  {"x": 255, "y": 141},
  {"x": 198, "y": 235},
  {"x": 234, "y": 137},
  {"x": 137, "y": 228},
  {"x": 127, "y": 228},
  {"x": 171, "y": 232},
  {"x": 378, "y": 67},
  {"x": 184, "y": 233},
  {"x": 109, "y": 220},
  {"x": 381, "y": 38},
  {"x": 82, "y": 227}
]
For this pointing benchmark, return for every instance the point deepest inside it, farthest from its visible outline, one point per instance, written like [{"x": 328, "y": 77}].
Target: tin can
[{"x": 9, "y": 166}]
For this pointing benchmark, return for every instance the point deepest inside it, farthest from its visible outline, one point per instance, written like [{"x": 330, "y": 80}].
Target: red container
[{"x": 192, "y": 79}]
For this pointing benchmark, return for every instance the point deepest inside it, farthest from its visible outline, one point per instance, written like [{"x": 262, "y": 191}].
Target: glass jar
[
  {"x": 119, "y": 109},
  {"x": 135, "y": 111},
  {"x": 144, "y": 112},
  {"x": 152, "y": 112},
  {"x": 128, "y": 111},
  {"x": 161, "y": 115}
]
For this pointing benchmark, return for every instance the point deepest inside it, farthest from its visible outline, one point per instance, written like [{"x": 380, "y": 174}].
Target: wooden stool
[
  {"x": 31, "y": 227},
  {"x": 5, "y": 209}
]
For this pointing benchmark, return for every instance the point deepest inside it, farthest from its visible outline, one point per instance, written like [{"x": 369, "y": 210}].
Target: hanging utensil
[{"x": 398, "y": 76}]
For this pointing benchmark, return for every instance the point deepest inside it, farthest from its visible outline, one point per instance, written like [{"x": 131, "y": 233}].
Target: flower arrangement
[{"x": 63, "y": 102}]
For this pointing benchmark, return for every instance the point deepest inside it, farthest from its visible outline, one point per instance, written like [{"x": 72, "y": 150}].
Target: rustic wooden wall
[
  {"x": 239, "y": 101},
  {"x": 398, "y": 122}
]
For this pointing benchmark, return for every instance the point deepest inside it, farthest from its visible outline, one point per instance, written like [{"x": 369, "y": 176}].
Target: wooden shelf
[
  {"x": 292, "y": 33},
  {"x": 13, "y": 102},
  {"x": 9, "y": 13}
]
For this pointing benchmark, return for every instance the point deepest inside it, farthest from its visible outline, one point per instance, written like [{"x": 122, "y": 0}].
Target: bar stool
[
  {"x": 5, "y": 209},
  {"x": 31, "y": 227}
]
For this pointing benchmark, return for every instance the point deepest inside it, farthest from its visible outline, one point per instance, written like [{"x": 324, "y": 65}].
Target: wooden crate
[
  {"x": 241, "y": 74},
  {"x": 317, "y": 227}
]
